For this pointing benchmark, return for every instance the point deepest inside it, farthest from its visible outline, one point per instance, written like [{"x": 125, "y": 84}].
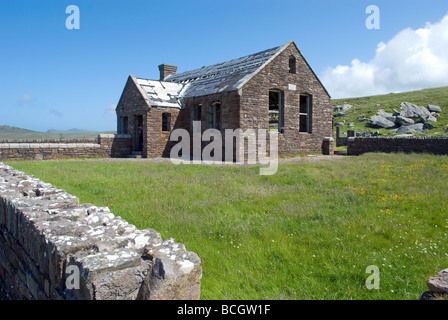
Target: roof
[
  {"x": 225, "y": 76},
  {"x": 161, "y": 93}
]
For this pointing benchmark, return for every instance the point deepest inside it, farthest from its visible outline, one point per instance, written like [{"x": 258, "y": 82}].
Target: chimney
[{"x": 167, "y": 70}]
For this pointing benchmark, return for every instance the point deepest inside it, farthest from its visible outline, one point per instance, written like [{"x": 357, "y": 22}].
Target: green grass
[
  {"x": 368, "y": 107},
  {"x": 308, "y": 232}
]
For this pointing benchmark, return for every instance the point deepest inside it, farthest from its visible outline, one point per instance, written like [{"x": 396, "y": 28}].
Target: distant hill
[
  {"x": 74, "y": 130},
  {"x": 11, "y": 129},
  {"x": 15, "y": 133},
  {"x": 366, "y": 107}
]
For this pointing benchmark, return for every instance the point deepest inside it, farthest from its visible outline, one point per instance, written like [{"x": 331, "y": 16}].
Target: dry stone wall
[
  {"x": 254, "y": 102},
  {"x": 407, "y": 144},
  {"x": 52, "y": 247},
  {"x": 106, "y": 145}
]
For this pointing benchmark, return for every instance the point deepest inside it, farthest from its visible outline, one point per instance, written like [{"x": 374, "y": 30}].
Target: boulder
[
  {"x": 386, "y": 115},
  {"x": 439, "y": 283},
  {"x": 434, "y": 108},
  {"x": 346, "y": 107},
  {"x": 403, "y": 121},
  {"x": 340, "y": 114},
  {"x": 379, "y": 122},
  {"x": 431, "y": 118},
  {"x": 410, "y": 110},
  {"x": 417, "y": 128},
  {"x": 343, "y": 108}
]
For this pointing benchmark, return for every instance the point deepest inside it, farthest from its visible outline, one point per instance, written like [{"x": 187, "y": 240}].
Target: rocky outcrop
[
  {"x": 410, "y": 110},
  {"x": 409, "y": 119},
  {"x": 437, "y": 285},
  {"x": 52, "y": 247}
]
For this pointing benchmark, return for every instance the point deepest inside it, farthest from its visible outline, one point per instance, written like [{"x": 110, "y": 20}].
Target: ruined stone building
[{"x": 275, "y": 89}]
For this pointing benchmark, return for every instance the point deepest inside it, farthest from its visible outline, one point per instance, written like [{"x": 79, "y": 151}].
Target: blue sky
[{"x": 53, "y": 77}]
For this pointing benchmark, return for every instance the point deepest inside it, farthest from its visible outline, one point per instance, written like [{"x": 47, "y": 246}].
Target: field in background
[
  {"x": 367, "y": 106},
  {"x": 15, "y": 133},
  {"x": 308, "y": 232}
]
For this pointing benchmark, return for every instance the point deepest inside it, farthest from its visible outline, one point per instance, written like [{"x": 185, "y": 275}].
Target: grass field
[{"x": 308, "y": 232}]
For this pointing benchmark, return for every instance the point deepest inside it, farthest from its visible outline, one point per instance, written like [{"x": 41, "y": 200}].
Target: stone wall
[
  {"x": 255, "y": 103},
  {"x": 106, "y": 145},
  {"x": 408, "y": 144},
  {"x": 156, "y": 142},
  {"x": 342, "y": 141},
  {"x": 132, "y": 104},
  {"x": 328, "y": 146},
  {"x": 52, "y": 247}
]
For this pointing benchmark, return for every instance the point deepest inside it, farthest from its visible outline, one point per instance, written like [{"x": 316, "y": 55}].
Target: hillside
[
  {"x": 11, "y": 129},
  {"x": 364, "y": 108},
  {"x": 15, "y": 133},
  {"x": 74, "y": 130}
]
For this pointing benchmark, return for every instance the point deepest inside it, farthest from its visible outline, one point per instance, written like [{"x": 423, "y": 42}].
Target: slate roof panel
[
  {"x": 225, "y": 76},
  {"x": 162, "y": 94}
]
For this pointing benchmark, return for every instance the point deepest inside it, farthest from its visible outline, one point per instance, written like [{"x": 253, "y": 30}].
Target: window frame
[
  {"x": 308, "y": 114},
  {"x": 281, "y": 110},
  {"x": 166, "y": 121},
  {"x": 292, "y": 68},
  {"x": 215, "y": 117},
  {"x": 196, "y": 114}
]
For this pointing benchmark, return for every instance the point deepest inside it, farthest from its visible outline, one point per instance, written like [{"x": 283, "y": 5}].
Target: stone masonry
[
  {"x": 106, "y": 145},
  {"x": 254, "y": 103},
  {"x": 52, "y": 247},
  {"x": 242, "y": 88},
  {"x": 407, "y": 144}
]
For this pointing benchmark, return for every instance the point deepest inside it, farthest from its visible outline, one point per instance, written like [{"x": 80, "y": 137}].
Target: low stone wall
[
  {"x": 106, "y": 145},
  {"x": 328, "y": 146},
  {"x": 52, "y": 247},
  {"x": 342, "y": 141},
  {"x": 408, "y": 144}
]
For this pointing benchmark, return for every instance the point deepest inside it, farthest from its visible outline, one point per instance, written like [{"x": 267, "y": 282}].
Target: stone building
[{"x": 275, "y": 89}]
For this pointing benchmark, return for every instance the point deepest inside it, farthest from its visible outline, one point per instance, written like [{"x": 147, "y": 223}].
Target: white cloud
[
  {"x": 26, "y": 99},
  {"x": 110, "y": 110},
  {"x": 413, "y": 59}
]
